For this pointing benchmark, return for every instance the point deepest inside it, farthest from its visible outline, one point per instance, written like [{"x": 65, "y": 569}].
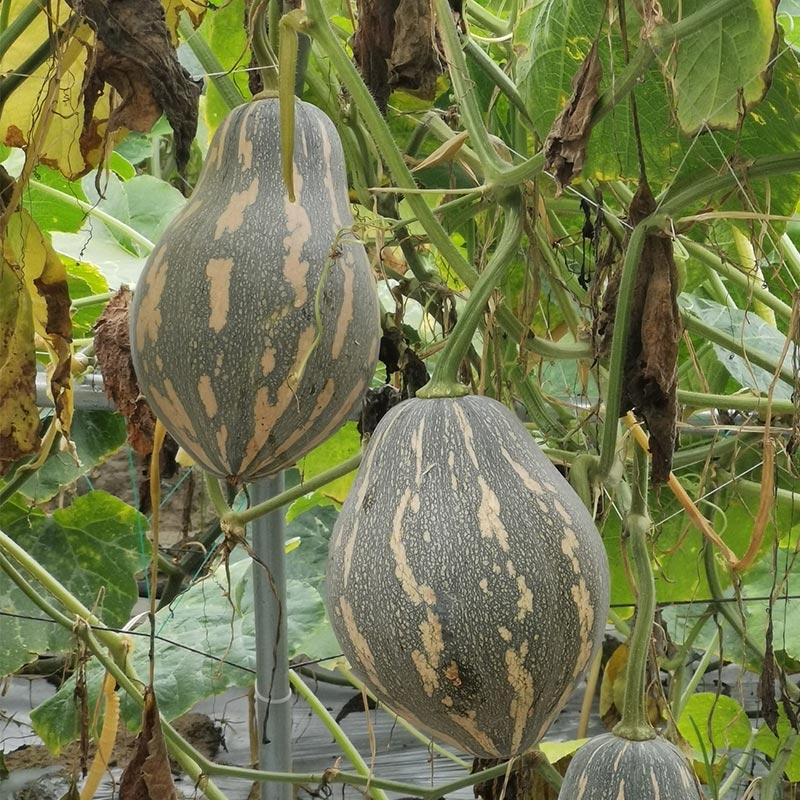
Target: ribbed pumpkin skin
[
  {"x": 467, "y": 583},
  {"x": 609, "y": 767},
  {"x": 224, "y": 332}
]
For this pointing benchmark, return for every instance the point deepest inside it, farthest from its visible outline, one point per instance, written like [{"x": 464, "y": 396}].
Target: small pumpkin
[
  {"x": 611, "y": 767},
  {"x": 467, "y": 583},
  {"x": 254, "y": 326}
]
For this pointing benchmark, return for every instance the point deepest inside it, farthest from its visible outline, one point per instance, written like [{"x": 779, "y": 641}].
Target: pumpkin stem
[
  {"x": 635, "y": 724},
  {"x": 444, "y": 382},
  {"x": 262, "y": 47}
]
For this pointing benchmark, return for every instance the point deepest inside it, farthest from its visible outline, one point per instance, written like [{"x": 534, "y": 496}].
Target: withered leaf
[
  {"x": 650, "y": 378},
  {"x": 414, "y": 64},
  {"x": 565, "y": 145},
  {"x": 768, "y": 705},
  {"x": 34, "y": 281},
  {"x": 147, "y": 775},
  {"x": 135, "y": 55},
  {"x": 19, "y": 416},
  {"x": 395, "y": 48},
  {"x": 113, "y": 350}
]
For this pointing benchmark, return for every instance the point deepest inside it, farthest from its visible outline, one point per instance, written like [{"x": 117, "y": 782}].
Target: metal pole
[{"x": 273, "y": 697}]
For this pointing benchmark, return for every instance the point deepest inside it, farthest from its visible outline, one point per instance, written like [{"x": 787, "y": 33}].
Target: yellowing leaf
[
  {"x": 41, "y": 277},
  {"x": 19, "y": 416},
  {"x": 721, "y": 72},
  {"x": 46, "y": 111},
  {"x": 62, "y": 114}
]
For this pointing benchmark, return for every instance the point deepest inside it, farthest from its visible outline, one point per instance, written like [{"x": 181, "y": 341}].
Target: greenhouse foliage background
[{"x": 540, "y": 100}]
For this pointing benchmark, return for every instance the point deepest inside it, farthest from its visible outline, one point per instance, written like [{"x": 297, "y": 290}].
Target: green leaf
[
  {"x": 145, "y": 203},
  {"x": 557, "y": 39},
  {"x": 205, "y": 645},
  {"x": 768, "y": 743},
  {"x": 85, "y": 280},
  {"x": 96, "y": 246},
  {"x": 54, "y": 213},
  {"x": 752, "y": 600},
  {"x": 749, "y": 329},
  {"x": 723, "y": 70},
  {"x": 721, "y": 722},
  {"x": 96, "y": 435},
  {"x": 309, "y": 561},
  {"x": 225, "y": 33},
  {"x": 344, "y": 444},
  {"x": 152, "y": 204},
  {"x": 94, "y": 548}
]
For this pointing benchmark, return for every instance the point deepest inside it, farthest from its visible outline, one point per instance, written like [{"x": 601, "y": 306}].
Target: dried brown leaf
[
  {"x": 565, "y": 145},
  {"x": 651, "y": 364},
  {"x": 148, "y": 776},
  {"x": 135, "y": 55},
  {"x": 113, "y": 351},
  {"x": 395, "y": 48}
]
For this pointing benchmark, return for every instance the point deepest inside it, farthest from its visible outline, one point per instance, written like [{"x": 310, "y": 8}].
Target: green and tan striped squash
[
  {"x": 255, "y": 327},
  {"x": 610, "y": 767},
  {"x": 467, "y": 583}
]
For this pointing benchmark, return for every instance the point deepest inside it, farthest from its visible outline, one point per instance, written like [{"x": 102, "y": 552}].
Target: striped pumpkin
[
  {"x": 467, "y": 583},
  {"x": 610, "y": 767},
  {"x": 254, "y": 326}
]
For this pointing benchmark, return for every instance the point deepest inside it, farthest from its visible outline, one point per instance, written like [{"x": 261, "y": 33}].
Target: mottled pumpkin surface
[
  {"x": 609, "y": 767},
  {"x": 255, "y": 326},
  {"x": 467, "y": 583}
]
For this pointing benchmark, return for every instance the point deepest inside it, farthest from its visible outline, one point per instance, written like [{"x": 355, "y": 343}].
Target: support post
[{"x": 273, "y": 696}]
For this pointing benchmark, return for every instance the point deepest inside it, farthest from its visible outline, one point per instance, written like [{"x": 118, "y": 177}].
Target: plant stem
[
  {"x": 465, "y": 90},
  {"x": 757, "y": 357},
  {"x": 700, "y": 669},
  {"x": 737, "y": 276},
  {"x": 487, "y": 65},
  {"x": 444, "y": 382},
  {"x": 791, "y": 257},
  {"x": 725, "y": 608},
  {"x": 10, "y": 32},
  {"x": 93, "y": 211},
  {"x": 677, "y": 199},
  {"x": 634, "y": 724},
  {"x": 351, "y": 680},
  {"x": 220, "y": 77},
  {"x": 770, "y": 788},
  {"x": 12, "y": 550},
  {"x": 322, "y": 32},
  {"x": 737, "y": 402},
  {"x": 303, "y": 488},
  {"x": 487, "y": 20},
  {"x": 91, "y": 300},
  {"x": 349, "y": 750},
  {"x": 241, "y": 518},
  {"x": 262, "y": 44}
]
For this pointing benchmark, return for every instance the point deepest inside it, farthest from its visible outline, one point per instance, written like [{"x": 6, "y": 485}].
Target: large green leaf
[
  {"x": 94, "y": 547},
  {"x": 96, "y": 435},
  {"x": 555, "y": 36},
  {"x": 205, "y": 645},
  {"x": 344, "y": 444},
  {"x": 752, "y": 332},
  {"x": 145, "y": 203},
  {"x": 714, "y": 723},
  {"x": 722, "y": 71},
  {"x": 753, "y": 602},
  {"x": 767, "y": 742}
]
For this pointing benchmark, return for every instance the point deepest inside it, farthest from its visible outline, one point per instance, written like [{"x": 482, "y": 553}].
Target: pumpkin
[
  {"x": 610, "y": 767},
  {"x": 467, "y": 584},
  {"x": 254, "y": 326}
]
